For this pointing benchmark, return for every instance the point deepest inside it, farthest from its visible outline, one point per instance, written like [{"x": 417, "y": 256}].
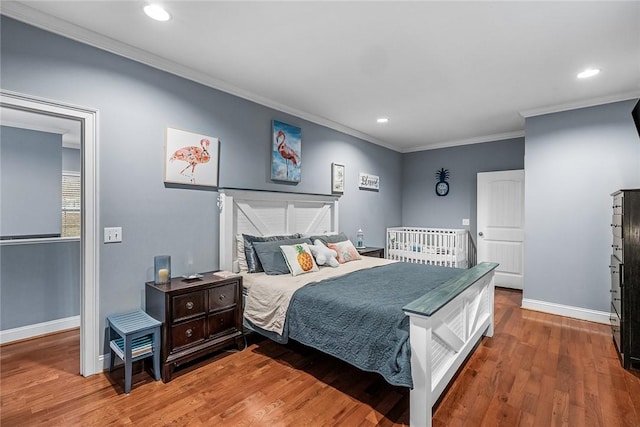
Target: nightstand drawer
[
  {"x": 187, "y": 333},
  {"x": 222, "y": 322},
  {"x": 188, "y": 305},
  {"x": 223, "y": 296}
]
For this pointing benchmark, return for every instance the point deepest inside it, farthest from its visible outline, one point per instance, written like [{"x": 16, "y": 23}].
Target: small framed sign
[
  {"x": 369, "y": 182},
  {"x": 337, "y": 178}
]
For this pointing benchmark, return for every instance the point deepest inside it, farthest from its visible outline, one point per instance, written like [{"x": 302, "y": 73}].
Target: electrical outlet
[
  {"x": 465, "y": 221},
  {"x": 112, "y": 234}
]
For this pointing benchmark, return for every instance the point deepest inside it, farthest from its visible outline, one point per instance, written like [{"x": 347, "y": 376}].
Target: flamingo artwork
[
  {"x": 286, "y": 152},
  {"x": 193, "y": 156}
]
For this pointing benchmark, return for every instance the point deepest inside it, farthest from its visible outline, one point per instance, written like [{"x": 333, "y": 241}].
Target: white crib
[{"x": 436, "y": 246}]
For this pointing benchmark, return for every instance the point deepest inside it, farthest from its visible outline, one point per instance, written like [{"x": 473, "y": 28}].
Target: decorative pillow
[
  {"x": 240, "y": 256},
  {"x": 253, "y": 263},
  {"x": 330, "y": 238},
  {"x": 299, "y": 258},
  {"x": 270, "y": 255},
  {"x": 324, "y": 255},
  {"x": 346, "y": 251}
]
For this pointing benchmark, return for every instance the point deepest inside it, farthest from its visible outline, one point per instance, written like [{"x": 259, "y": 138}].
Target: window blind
[{"x": 71, "y": 204}]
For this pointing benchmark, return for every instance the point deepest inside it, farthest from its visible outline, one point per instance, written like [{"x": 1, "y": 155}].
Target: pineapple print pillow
[{"x": 299, "y": 258}]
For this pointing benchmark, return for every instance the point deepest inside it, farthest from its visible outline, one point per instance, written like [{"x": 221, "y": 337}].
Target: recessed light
[
  {"x": 157, "y": 12},
  {"x": 383, "y": 120},
  {"x": 589, "y": 72}
]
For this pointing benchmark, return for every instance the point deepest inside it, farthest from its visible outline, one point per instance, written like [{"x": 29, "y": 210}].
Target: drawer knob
[
  {"x": 189, "y": 305},
  {"x": 189, "y": 332},
  {"x": 221, "y": 297}
]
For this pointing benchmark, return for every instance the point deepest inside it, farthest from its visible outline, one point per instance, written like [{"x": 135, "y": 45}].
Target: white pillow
[
  {"x": 324, "y": 255},
  {"x": 240, "y": 255},
  {"x": 299, "y": 258}
]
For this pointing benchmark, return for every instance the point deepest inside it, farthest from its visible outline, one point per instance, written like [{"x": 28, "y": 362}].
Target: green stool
[{"x": 134, "y": 336}]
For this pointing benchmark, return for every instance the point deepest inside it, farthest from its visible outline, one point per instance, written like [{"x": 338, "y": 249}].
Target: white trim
[
  {"x": 467, "y": 141},
  {"x": 104, "y": 361},
  {"x": 566, "y": 311},
  {"x": 17, "y": 242},
  {"x": 608, "y": 99},
  {"x": 90, "y": 336},
  {"x": 32, "y": 331}
]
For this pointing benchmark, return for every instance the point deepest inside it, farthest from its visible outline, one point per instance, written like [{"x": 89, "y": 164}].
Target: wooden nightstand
[
  {"x": 371, "y": 251},
  {"x": 198, "y": 317}
]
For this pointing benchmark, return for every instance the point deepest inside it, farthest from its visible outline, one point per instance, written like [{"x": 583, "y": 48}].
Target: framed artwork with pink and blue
[{"x": 286, "y": 152}]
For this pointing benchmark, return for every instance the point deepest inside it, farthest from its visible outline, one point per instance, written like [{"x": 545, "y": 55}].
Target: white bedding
[{"x": 269, "y": 296}]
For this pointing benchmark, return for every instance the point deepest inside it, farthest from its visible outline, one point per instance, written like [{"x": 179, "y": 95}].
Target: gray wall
[
  {"x": 136, "y": 103},
  {"x": 71, "y": 161},
  {"x": 30, "y": 177},
  {"x": 421, "y": 207},
  {"x": 39, "y": 283},
  {"x": 573, "y": 161}
]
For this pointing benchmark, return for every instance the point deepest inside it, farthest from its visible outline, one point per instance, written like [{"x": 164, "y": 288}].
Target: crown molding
[
  {"x": 468, "y": 141},
  {"x": 28, "y": 15},
  {"x": 592, "y": 102}
]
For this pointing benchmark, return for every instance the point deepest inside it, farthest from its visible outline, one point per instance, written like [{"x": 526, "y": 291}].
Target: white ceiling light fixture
[
  {"x": 157, "y": 12},
  {"x": 589, "y": 72},
  {"x": 383, "y": 120}
]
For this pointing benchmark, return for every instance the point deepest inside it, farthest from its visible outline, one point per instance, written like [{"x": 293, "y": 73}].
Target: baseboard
[
  {"x": 32, "y": 331},
  {"x": 567, "y": 311}
]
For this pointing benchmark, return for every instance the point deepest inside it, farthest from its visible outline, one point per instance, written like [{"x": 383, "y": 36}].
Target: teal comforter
[{"x": 358, "y": 317}]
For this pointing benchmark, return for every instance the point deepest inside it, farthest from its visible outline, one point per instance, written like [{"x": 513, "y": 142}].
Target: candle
[{"x": 163, "y": 275}]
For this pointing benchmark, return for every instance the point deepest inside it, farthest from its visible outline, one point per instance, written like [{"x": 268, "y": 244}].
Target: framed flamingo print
[
  {"x": 286, "y": 152},
  {"x": 190, "y": 158}
]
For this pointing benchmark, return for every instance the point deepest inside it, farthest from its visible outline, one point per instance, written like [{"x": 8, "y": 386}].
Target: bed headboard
[{"x": 262, "y": 213}]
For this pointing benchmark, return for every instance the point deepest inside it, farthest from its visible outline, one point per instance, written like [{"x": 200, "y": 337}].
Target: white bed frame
[
  {"x": 435, "y": 246},
  {"x": 440, "y": 342}
]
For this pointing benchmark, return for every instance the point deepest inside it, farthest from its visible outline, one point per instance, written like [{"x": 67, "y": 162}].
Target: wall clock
[{"x": 442, "y": 186}]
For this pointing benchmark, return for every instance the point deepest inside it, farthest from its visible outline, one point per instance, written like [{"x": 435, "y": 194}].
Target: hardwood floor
[{"x": 537, "y": 370}]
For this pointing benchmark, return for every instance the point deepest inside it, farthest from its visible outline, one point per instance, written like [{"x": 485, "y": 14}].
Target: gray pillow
[
  {"x": 331, "y": 238},
  {"x": 271, "y": 257},
  {"x": 253, "y": 263}
]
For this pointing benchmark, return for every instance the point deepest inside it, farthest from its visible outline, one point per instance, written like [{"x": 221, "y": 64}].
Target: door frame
[{"x": 89, "y": 234}]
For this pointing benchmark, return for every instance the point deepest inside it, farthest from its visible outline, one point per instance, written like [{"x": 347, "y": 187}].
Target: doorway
[
  {"x": 501, "y": 225},
  {"x": 89, "y": 235}
]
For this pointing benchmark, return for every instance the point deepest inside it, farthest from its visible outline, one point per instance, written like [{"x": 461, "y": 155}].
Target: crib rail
[
  {"x": 436, "y": 246},
  {"x": 472, "y": 252}
]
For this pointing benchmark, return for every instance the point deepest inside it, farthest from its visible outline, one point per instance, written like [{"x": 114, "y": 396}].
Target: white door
[{"x": 501, "y": 225}]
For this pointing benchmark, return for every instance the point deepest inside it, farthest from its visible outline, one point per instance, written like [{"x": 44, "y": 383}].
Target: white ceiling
[
  {"x": 445, "y": 73},
  {"x": 68, "y": 128}
]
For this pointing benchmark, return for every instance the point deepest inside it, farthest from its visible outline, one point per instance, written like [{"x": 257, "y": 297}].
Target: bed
[
  {"x": 436, "y": 246},
  {"x": 442, "y": 324}
]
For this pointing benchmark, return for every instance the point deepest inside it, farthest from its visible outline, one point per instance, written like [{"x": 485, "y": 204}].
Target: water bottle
[{"x": 360, "y": 239}]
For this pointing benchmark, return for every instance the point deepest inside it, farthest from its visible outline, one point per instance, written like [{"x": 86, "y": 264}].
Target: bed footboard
[{"x": 445, "y": 326}]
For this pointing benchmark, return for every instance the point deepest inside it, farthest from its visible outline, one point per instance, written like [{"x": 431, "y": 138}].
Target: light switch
[
  {"x": 112, "y": 234},
  {"x": 465, "y": 221}
]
